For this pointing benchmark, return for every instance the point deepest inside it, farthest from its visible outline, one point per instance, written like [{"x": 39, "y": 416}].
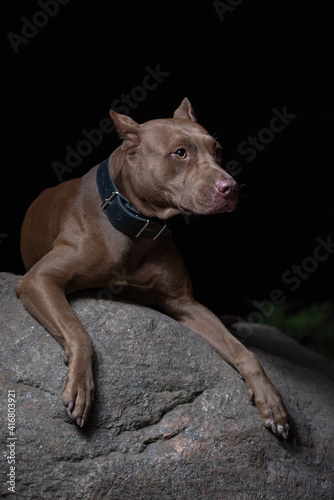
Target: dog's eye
[{"x": 181, "y": 153}]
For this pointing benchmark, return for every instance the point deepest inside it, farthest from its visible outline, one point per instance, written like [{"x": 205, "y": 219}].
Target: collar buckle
[
  {"x": 108, "y": 200},
  {"x": 145, "y": 226},
  {"x": 142, "y": 229},
  {"x": 161, "y": 231}
]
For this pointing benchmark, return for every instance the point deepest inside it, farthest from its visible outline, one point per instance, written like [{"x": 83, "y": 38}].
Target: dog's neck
[
  {"x": 122, "y": 214},
  {"x": 127, "y": 183}
]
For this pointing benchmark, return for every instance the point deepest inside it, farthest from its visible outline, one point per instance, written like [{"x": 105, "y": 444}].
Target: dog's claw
[
  {"x": 271, "y": 408},
  {"x": 280, "y": 429},
  {"x": 78, "y": 395},
  {"x": 273, "y": 427},
  {"x": 80, "y": 422},
  {"x": 285, "y": 433}
]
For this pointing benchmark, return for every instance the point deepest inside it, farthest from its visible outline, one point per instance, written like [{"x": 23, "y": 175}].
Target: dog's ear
[
  {"x": 185, "y": 111},
  {"x": 128, "y": 130}
]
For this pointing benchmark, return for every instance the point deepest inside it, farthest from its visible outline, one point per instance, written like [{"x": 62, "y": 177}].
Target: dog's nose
[{"x": 226, "y": 186}]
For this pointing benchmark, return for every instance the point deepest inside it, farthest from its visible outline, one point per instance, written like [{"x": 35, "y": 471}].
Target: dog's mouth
[
  {"x": 216, "y": 206},
  {"x": 209, "y": 210},
  {"x": 218, "y": 199}
]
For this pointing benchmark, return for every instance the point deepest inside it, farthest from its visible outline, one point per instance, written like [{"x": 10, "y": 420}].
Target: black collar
[{"x": 122, "y": 215}]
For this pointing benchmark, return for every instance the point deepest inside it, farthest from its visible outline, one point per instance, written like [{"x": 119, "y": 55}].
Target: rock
[{"x": 171, "y": 419}]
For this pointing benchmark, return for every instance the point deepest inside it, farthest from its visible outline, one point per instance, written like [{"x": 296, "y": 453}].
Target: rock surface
[{"x": 171, "y": 419}]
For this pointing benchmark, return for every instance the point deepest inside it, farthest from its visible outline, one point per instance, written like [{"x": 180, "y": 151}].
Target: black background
[{"x": 235, "y": 71}]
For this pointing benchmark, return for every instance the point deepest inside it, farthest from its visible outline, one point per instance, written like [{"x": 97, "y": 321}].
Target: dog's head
[{"x": 175, "y": 166}]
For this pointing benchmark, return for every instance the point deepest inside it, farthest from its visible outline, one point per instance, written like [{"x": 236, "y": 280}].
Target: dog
[{"x": 84, "y": 231}]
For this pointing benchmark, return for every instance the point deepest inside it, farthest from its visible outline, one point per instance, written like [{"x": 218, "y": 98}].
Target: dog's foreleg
[
  {"x": 202, "y": 321},
  {"x": 42, "y": 293}
]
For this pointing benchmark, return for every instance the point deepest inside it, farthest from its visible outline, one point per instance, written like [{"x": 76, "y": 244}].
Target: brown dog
[{"x": 70, "y": 242}]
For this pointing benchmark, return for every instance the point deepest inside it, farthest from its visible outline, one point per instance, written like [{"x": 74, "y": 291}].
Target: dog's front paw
[
  {"x": 270, "y": 406},
  {"x": 78, "y": 394}
]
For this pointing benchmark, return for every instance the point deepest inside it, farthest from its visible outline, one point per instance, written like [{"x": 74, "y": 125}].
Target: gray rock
[{"x": 171, "y": 419}]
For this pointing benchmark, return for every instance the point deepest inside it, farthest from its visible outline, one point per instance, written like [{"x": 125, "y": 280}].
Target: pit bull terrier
[{"x": 114, "y": 221}]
